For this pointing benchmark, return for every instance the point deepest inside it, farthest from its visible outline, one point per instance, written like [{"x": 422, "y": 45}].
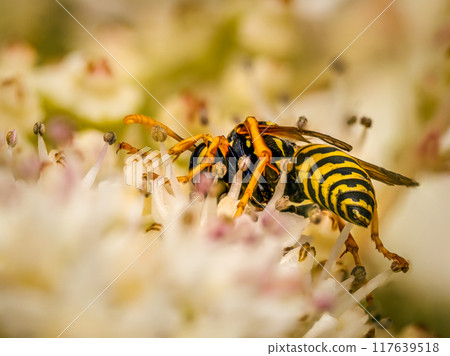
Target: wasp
[{"x": 323, "y": 176}]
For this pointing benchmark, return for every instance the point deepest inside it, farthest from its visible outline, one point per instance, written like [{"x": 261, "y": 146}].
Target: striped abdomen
[{"x": 335, "y": 181}]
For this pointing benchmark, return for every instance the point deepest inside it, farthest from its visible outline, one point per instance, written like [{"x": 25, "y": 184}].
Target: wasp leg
[
  {"x": 126, "y": 147},
  {"x": 264, "y": 154},
  {"x": 350, "y": 244},
  {"x": 398, "y": 262},
  {"x": 183, "y": 179},
  {"x": 358, "y": 272},
  {"x": 251, "y": 186},
  {"x": 154, "y": 227},
  {"x": 305, "y": 250},
  {"x": 259, "y": 145},
  {"x": 187, "y": 144}
]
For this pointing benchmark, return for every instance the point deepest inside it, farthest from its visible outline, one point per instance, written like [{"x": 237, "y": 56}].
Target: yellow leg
[
  {"x": 154, "y": 227},
  {"x": 350, "y": 244},
  {"x": 251, "y": 186},
  {"x": 398, "y": 262},
  {"x": 126, "y": 147},
  {"x": 147, "y": 121},
  {"x": 259, "y": 145},
  {"x": 187, "y": 144},
  {"x": 208, "y": 159},
  {"x": 261, "y": 149}
]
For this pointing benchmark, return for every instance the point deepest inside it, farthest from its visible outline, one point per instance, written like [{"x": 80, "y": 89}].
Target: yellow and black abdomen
[{"x": 336, "y": 182}]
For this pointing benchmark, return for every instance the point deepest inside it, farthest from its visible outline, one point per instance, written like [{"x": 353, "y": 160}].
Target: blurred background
[{"x": 209, "y": 64}]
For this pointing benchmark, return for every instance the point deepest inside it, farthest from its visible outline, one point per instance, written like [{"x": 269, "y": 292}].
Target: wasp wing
[
  {"x": 328, "y": 139},
  {"x": 383, "y": 175},
  {"x": 296, "y": 134},
  {"x": 290, "y": 133}
]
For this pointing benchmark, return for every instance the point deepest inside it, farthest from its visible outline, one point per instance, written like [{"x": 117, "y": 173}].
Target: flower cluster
[{"x": 76, "y": 260}]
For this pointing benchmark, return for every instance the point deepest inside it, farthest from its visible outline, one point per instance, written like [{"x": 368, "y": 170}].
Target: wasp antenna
[{"x": 148, "y": 121}]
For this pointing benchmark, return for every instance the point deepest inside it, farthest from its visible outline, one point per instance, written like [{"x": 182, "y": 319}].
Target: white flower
[
  {"x": 90, "y": 89},
  {"x": 76, "y": 260},
  {"x": 20, "y": 105}
]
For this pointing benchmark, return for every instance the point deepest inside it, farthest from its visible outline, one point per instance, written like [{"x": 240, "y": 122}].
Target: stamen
[
  {"x": 285, "y": 166},
  {"x": 110, "y": 138},
  {"x": 366, "y": 122},
  {"x": 302, "y": 122},
  {"x": 244, "y": 163},
  {"x": 219, "y": 170},
  {"x": 39, "y": 130},
  {"x": 282, "y": 203},
  {"x": 209, "y": 208},
  {"x": 235, "y": 189},
  {"x": 227, "y": 206},
  {"x": 335, "y": 251},
  {"x": 315, "y": 214},
  {"x": 361, "y": 293},
  {"x": 159, "y": 134},
  {"x": 89, "y": 178},
  {"x": 11, "y": 140},
  {"x": 351, "y": 120}
]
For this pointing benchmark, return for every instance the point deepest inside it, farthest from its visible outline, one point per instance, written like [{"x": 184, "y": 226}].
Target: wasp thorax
[
  {"x": 39, "y": 128},
  {"x": 159, "y": 134}
]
